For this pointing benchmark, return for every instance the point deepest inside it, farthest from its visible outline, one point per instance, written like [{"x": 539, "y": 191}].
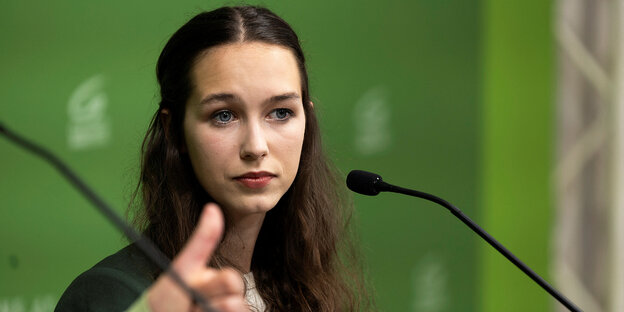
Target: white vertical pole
[{"x": 617, "y": 225}]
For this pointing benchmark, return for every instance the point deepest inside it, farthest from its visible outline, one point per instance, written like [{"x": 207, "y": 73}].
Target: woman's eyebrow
[
  {"x": 218, "y": 97},
  {"x": 229, "y": 97},
  {"x": 284, "y": 97}
]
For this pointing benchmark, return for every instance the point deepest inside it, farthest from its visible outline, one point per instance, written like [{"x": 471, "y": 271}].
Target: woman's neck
[{"x": 240, "y": 240}]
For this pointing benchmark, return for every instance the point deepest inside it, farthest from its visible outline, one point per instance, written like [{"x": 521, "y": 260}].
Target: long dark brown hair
[{"x": 304, "y": 258}]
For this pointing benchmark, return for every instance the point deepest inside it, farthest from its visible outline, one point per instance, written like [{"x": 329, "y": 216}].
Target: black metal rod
[
  {"x": 145, "y": 244},
  {"x": 383, "y": 186}
]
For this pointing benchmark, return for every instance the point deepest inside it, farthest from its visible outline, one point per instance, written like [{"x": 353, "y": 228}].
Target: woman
[{"x": 235, "y": 126}]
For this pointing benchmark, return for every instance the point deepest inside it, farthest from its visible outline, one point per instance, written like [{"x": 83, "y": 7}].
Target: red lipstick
[{"x": 255, "y": 180}]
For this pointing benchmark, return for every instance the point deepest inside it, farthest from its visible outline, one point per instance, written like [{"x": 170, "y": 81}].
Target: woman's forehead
[{"x": 246, "y": 68}]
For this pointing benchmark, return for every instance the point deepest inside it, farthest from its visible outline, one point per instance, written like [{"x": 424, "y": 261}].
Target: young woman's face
[{"x": 244, "y": 125}]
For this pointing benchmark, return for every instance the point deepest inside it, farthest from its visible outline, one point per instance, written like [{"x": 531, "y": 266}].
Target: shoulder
[{"x": 111, "y": 285}]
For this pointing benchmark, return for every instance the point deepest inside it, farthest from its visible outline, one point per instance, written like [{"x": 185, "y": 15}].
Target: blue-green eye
[
  {"x": 281, "y": 114},
  {"x": 223, "y": 116}
]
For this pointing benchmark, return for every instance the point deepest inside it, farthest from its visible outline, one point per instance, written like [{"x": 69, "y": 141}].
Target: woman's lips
[{"x": 255, "y": 180}]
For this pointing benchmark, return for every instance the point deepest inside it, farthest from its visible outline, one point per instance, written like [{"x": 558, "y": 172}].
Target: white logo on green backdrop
[
  {"x": 89, "y": 125},
  {"x": 430, "y": 285},
  {"x": 42, "y": 303},
  {"x": 371, "y": 116}
]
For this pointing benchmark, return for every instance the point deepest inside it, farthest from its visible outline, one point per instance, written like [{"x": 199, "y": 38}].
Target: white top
[{"x": 251, "y": 295}]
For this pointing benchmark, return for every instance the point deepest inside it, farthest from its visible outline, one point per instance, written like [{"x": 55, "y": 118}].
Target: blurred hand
[{"x": 223, "y": 288}]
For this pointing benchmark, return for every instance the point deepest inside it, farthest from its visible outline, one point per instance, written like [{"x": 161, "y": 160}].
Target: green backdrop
[{"x": 431, "y": 94}]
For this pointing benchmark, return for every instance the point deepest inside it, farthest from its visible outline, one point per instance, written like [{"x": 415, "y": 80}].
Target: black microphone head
[{"x": 363, "y": 182}]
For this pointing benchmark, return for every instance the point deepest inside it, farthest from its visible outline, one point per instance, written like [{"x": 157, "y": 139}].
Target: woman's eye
[
  {"x": 223, "y": 116},
  {"x": 281, "y": 114}
]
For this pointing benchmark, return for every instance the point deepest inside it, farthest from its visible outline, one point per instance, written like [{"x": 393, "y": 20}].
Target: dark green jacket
[{"x": 111, "y": 285}]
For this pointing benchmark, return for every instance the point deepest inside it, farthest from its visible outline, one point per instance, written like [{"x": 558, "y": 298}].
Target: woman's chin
[{"x": 250, "y": 208}]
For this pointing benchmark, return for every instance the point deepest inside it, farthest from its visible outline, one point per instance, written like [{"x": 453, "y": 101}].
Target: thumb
[{"x": 202, "y": 243}]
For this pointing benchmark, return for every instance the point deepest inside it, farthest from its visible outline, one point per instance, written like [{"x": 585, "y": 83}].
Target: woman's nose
[{"x": 254, "y": 144}]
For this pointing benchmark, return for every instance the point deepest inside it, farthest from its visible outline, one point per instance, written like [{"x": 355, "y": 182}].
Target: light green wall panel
[{"x": 517, "y": 132}]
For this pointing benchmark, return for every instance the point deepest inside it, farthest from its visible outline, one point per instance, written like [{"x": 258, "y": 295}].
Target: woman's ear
[
  {"x": 165, "y": 119},
  {"x": 312, "y": 104}
]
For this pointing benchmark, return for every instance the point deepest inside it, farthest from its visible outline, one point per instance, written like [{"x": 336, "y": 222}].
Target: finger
[
  {"x": 166, "y": 295},
  {"x": 200, "y": 246},
  {"x": 230, "y": 304},
  {"x": 226, "y": 282}
]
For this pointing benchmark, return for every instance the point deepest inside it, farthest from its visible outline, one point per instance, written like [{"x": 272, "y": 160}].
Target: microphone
[
  {"x": 143, "y": 243},
  {"x": 367, "y": 183}
]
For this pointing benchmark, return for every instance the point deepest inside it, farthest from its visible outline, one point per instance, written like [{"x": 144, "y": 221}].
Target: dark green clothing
[{"x": 111, "y": 285}]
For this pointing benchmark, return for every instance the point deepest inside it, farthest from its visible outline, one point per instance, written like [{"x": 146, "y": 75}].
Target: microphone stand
[
  {"x": 143, "y": 243},
  {"x": 380, "y": 185}
]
